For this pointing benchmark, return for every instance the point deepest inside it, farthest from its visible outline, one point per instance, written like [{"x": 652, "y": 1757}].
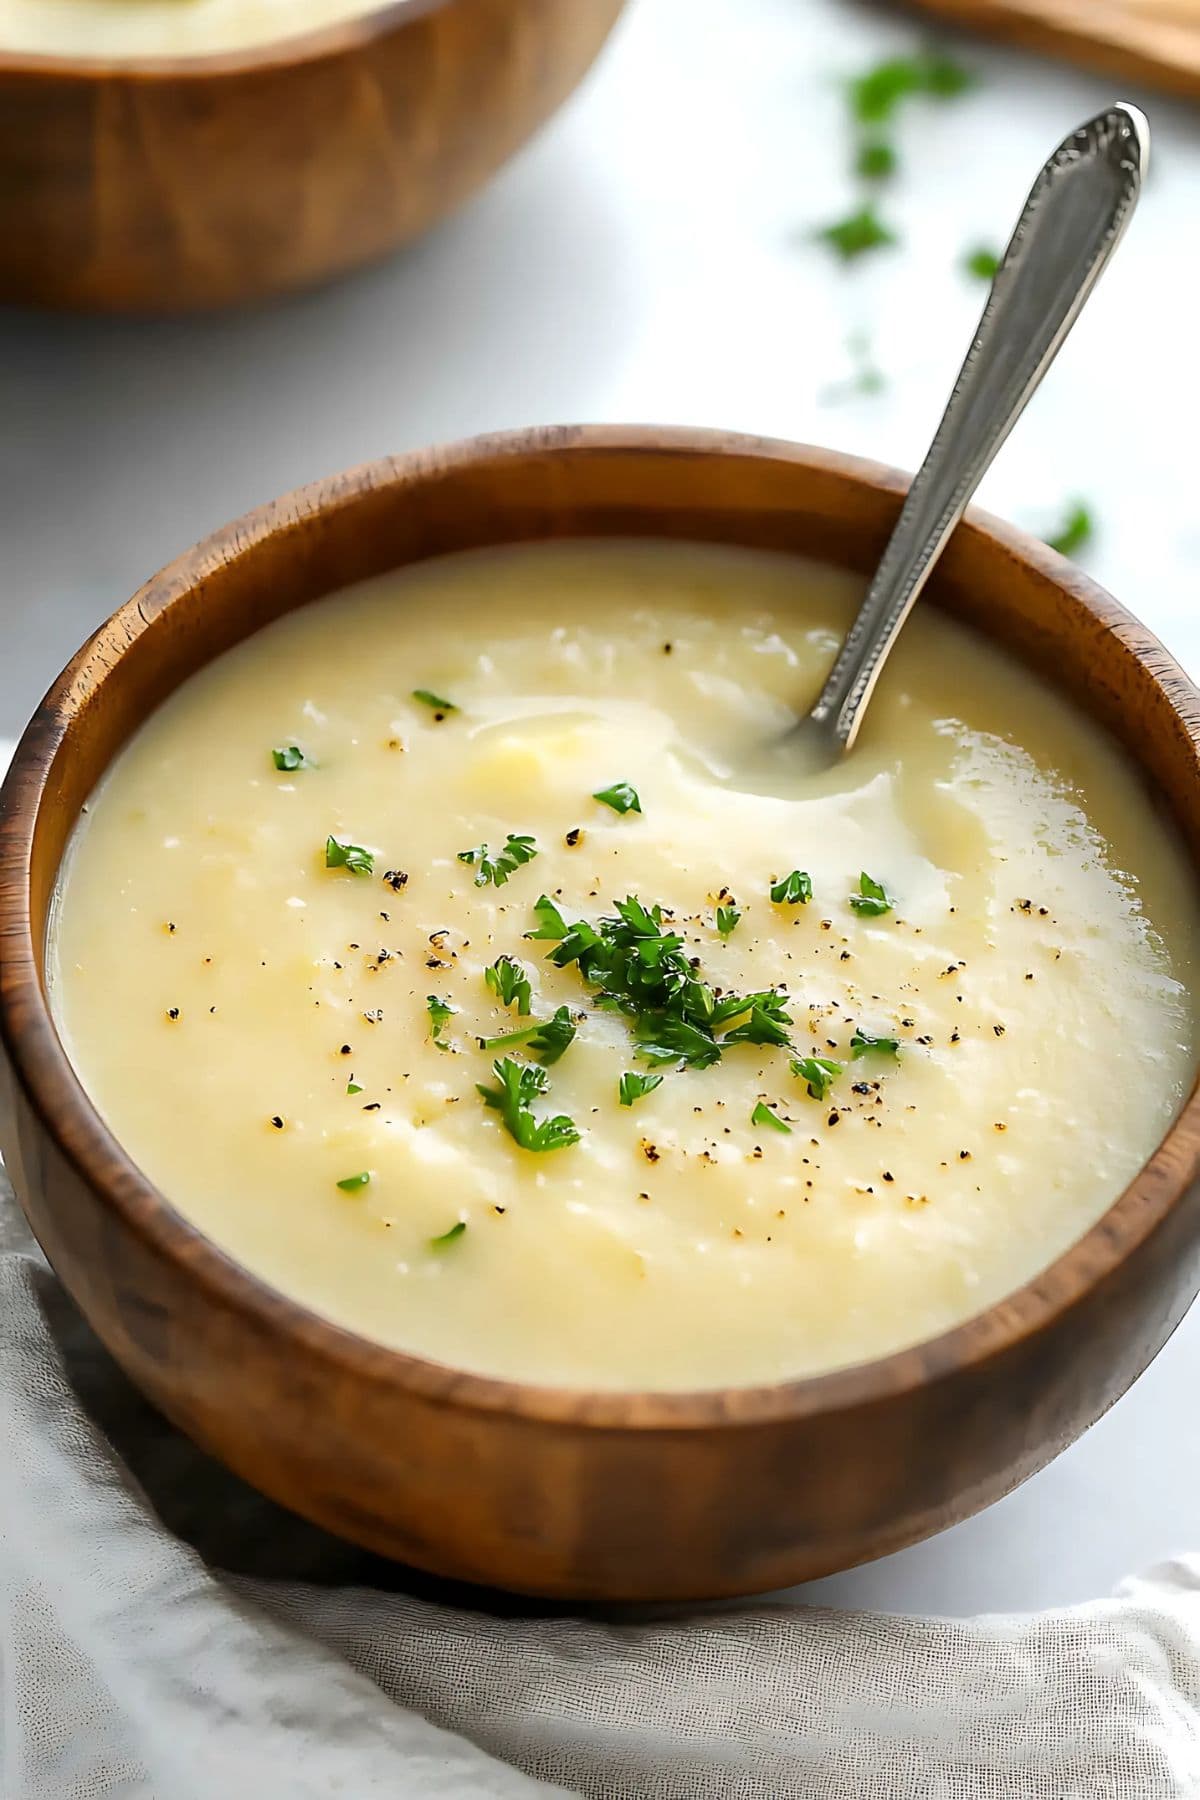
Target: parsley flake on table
[
  {"x": 876, "y": 160},
  {"x": 519, "y": 848},
  {"x": 348, "y": 856},
  {"x": 792, "y": 890},
  {"x": 876, "y": 95},
  {"x": 1077, "y": 530},
  {"x": 857, "y": 234},
  {"x": 620, "y": 796},
  {"x": 817, "y": 1072},
  {"x": 872, "y": 898},
  {"x": 634, "y": 1086},
  {"x": 866, "y": 377},
  {"x": 982, "y": 263},
  {"x": 509, "y": 981},
  {"x": 518, "y": 1085}
]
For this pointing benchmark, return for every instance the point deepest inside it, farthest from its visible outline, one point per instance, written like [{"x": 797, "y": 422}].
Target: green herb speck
[
  {"x": 348, "y": 856},
  {"x": 857, "y": 234},
  {"x": 872, "y": 898},
  {"x": 438, "y": 706},
  {"x": 633, "y": 1086},
  {"x": 1077, "y": 530},
  {"x": 982, "y": 263},
  {"x": 876, "y": 161},
  {"x": 792, "y": 890},
  {"x": 817, "y": 1072},
  {"x": 620, "y": 796},
  {"x": 448, "y": 1237}
]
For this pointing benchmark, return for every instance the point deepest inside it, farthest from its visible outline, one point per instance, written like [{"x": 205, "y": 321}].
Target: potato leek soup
[
  {"x": 424, "y": 953},
  {"x": 133, "y": 28}
]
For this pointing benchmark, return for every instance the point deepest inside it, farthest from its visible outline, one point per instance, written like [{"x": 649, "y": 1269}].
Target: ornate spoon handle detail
[{"x": 1073, "y": 220}]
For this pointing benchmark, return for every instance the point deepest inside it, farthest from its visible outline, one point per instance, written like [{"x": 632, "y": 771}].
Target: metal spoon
[{"x": 1073, "y": 220}]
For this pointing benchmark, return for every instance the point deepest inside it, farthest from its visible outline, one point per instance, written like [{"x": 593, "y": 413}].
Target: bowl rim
[
  {"x": 357, "y": 31},
  {"x": 40, "y": 1066}
]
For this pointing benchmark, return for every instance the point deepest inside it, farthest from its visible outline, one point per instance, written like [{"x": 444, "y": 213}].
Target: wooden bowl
[
  {"x": 581, "y": 1495},
  {"x": 158, "y": 185}
]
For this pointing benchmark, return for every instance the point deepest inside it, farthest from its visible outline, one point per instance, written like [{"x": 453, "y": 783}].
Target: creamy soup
[
  {"x": 424, "y": 953},
  {"x": 133, "y": 28}
]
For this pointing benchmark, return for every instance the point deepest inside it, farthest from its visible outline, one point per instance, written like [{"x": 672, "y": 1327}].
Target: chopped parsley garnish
[
  {"x": 817, "y": 1072},
  {"x": 863, "y": 1044},
  {"x": 765, "y": 1115},
  {"x": 1077, "y": 530},
  {"x": 551, "y": 923},
  {"x": 876, "y": 160},
  {"x": 761, "y": 1018},
  {"x": 662, "y": 1039},
  {"x": 792, "y": 890},
  {"x": 440, "y": 1013},
  {"x": 350, "y": 1184},
  {"x": 620, "y": 796},
  {"x": 287, "y": 757},
  {"x": 519, "y": 848},
  {"x": 872, "y": 897},
  {"x": 857, "y": 234},
  {"x": 508, "y": 981},
  {"x": 435, "y": 701},
  {"x": 353, "y": 1087},
  {"x": 635, "y": 967},
  {"x": 518, "y": 1086},
  {"x": 876, "y": 95},
  {"x": 727, "y": 918},
  {"x": 348, "y": 856},
  {"x": 448, "y": 1237},
  {"x": 547, "y": 1039},
  {"x": 633, "y": 1086},
  {"x": 982, "y": 263}
]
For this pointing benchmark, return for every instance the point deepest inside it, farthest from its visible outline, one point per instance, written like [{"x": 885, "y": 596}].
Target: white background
[{"x": 648, "y": 258}]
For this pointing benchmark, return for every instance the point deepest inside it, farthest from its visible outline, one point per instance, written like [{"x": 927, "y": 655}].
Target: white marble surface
[{"x": 647, "y": 259}]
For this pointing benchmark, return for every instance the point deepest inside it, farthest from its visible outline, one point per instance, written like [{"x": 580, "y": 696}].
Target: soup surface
[
  {"x": 899, "y": 1034},
  {"x": 132, "y": 28}
]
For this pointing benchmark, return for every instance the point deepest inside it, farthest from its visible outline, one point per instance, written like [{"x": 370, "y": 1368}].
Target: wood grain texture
[
  {"x": 548, "y": 1491},
  {"x": 158, "y": 186},
  {"x": 1152, "y": 41}
]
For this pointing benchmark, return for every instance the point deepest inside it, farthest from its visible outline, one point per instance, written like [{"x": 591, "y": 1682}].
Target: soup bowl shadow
[
  {"x": 569, "y": 1494},
  {"x": 165, "y": 184}
]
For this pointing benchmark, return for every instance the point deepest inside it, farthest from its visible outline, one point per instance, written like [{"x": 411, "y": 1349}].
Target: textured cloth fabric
[{"x": 165, "y": 1632}]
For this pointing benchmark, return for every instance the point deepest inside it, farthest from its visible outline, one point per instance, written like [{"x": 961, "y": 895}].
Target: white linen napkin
[{"x": 166, "y": 1634}]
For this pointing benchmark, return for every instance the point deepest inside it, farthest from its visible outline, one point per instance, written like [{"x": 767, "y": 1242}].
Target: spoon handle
[{"x": 1073, "y": 220}]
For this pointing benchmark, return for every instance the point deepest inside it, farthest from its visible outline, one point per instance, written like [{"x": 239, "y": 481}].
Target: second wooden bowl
[
  {"x": 159, "y": 185},
  {"x": 580, "y": 1495}
]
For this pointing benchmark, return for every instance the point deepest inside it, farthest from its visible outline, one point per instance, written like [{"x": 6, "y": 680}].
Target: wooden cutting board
[{"x": 1154, "y": 42}]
